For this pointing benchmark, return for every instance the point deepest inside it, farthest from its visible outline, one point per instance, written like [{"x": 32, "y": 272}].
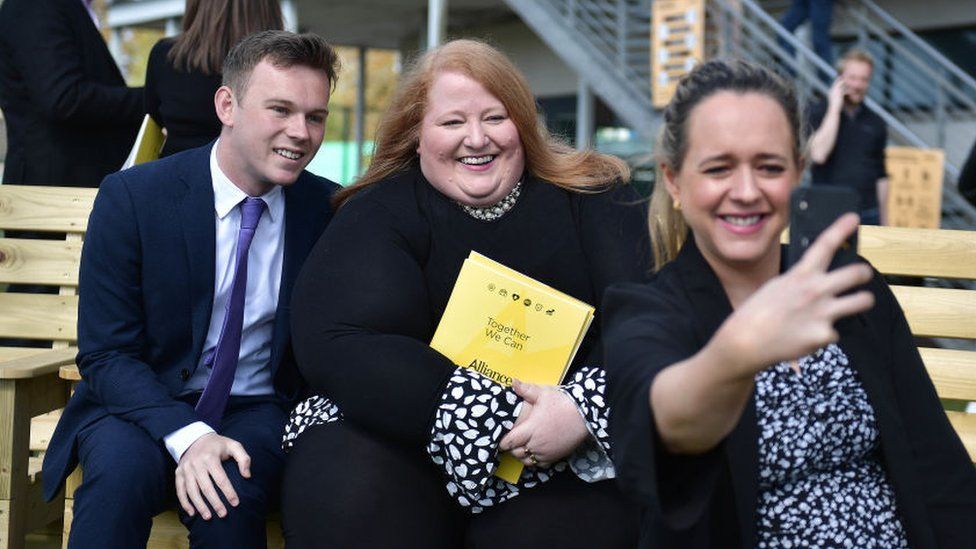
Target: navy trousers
[
  {"x": 129, "y": 478},
  {"x": 819, "y": 12}
]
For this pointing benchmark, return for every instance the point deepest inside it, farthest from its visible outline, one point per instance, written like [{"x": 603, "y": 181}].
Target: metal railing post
[
  {"x": 622, "y": 34},
  {"x": 940, "y": 117}
]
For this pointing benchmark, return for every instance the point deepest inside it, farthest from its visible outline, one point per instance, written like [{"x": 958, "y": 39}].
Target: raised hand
[
  {"x": 794, "y": 313},
  {"x": 835, "y": 96},
  {"x": 200, "y": 474},
  {"x": 549, "y": 426}
]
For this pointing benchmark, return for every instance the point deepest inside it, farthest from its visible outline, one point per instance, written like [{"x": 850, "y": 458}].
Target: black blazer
[
  {"x": 146, "y": 293},
  {"x": 180, "y": 101},
  {"x": 710, "y": 500},
  {"x": 70, "y": 118}
]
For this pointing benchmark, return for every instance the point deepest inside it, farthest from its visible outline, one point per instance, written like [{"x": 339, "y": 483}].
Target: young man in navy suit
[{"x": 183, "y": 332}]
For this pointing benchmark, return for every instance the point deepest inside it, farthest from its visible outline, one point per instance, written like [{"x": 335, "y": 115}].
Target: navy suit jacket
[
  {"x": 71, "y": 120},
  {"x": 146, "y": 293}
]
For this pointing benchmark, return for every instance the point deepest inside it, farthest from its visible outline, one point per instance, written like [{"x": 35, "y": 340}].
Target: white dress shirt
[{"x": 265, "y": 256}]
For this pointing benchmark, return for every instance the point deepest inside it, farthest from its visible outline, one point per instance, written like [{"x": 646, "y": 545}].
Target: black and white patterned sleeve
[
  {"x": 315, "y": 410},
  {"x": 473, "y": 415},
  {"x": 591, "y": 460}
]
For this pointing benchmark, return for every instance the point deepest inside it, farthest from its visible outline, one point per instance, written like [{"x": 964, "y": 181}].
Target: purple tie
[{"x": 212, "y": 402}]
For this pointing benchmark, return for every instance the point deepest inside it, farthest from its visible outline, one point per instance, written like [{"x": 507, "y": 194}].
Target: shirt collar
[{"x": 227, "y": 195}]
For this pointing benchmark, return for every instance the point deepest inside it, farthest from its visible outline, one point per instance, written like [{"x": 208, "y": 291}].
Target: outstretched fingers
[
  {"x": 820, "y": 253},
  {"x": 850, "y": 304},
  {"x": 845, "y": 278}
]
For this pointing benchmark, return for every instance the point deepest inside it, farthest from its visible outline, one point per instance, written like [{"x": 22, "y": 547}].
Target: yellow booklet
[
  {"x": 505, "y": 326},
  {"x": 149, "y": 143}
]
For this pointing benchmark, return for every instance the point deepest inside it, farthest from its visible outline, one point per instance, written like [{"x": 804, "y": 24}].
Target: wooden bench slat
[
  {"x": 938, "y": 312},
  {"x": 965, "y": 426},
  {"x": 37, "y": 364},
  {"x": 938, "y": 253},
  {"x": 952, "y": 371},
  {"x": 46, "y": 262},
  {"x": 42, "y": 428},
  {"x": 12, "y": 353},
  {"x": 45, "y": 209},
  {"x": 33, "y": 316}
]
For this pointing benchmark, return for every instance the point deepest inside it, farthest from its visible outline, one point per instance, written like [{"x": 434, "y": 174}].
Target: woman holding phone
[{"x": 760, "y": 406}]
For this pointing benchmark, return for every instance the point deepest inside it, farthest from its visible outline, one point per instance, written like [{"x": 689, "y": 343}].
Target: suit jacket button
[{"x": 184, "y": 374}]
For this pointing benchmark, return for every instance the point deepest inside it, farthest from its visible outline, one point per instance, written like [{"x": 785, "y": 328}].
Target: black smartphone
[{"x": 813, "y": 209}]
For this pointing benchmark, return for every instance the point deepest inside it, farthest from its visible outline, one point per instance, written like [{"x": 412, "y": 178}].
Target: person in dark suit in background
[
  {"x": 183, "y": 72},
  {"x": 71, "y": 120},
  {"x": 184, "y": 346}
]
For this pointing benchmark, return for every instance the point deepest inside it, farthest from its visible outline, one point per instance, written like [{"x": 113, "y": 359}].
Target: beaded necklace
[{"x": 494, "y": 211}]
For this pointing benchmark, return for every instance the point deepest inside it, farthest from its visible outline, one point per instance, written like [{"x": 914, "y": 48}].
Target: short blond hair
[{"x": 855, "y": 54}]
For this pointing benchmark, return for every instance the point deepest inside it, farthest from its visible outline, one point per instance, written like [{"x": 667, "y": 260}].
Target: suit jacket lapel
[
  {"x": 93, "y": 36},
  {"x": 197, "y": 213}
]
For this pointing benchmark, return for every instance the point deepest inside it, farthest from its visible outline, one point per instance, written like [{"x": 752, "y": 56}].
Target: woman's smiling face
[
  {"x": 469, "y": 148},
  {"x": 735, "y": 179}
]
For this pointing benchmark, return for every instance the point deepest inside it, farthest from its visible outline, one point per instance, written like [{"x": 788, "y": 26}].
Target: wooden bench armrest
[
  {"x": 36, "y": 365},
  {"x": 70, "y": 372}
]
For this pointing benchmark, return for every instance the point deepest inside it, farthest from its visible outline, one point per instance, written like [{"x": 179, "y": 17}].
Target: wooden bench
[
  {"x": 936, "y": 312},
  {"x": 29, "y": 385}
]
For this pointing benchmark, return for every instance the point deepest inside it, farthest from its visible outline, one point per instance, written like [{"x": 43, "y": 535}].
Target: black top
[
  {"x": 180, "y": 101},
  {"x": 858, "y": 158},
  {"x": 967, "y": 177},
  {"x": 71, "y": 120},
  {"x": 710, "y": 500},
  {"x": 372, "y": 291}
]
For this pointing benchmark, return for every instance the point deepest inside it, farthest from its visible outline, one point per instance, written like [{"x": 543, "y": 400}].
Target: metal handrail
[
  {"x": 943, "y": 62},
  {"x": 905, "y": 54},
  {"x": 601, "y": 27}
]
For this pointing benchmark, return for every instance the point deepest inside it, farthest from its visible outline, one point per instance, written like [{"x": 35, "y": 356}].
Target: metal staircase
[
  {"x": 608, "y": 43},
  {"x": 916, "y": 90}
]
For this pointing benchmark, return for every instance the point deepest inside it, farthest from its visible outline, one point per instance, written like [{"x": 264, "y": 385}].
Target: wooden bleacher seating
[
  {"x": 935, "y": 312},
  {"x": 30, "y": 390}
]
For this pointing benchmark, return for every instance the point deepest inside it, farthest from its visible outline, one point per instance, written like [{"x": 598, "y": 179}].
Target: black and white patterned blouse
[
  {"x": 821, "y": 483},
  {"x": 473, "y": 416}
]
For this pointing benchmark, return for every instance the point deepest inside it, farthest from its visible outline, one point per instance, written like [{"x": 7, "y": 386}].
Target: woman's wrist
[{"x": 731, "y": 354}]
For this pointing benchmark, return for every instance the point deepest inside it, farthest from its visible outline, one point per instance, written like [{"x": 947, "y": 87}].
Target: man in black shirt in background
[{"x": 847, "y": 148}]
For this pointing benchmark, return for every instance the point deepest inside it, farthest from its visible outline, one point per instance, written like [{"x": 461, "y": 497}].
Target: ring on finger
[{"x": 534, "y": 460}]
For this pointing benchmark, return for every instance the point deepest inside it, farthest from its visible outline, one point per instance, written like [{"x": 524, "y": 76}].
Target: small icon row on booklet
[{"x": 515, "y": 297}]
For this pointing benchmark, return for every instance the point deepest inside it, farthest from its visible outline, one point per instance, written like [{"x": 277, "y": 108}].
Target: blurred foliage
[{"x": 382, "y": 71}]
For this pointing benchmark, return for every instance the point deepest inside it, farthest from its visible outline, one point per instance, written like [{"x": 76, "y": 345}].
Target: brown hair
[
  {"x": 667, "y": 226},
  {"x": 212, "y": 27},
  {"x": 281, "y": 49},
  {"x": 855, "y": 54},
  {"x": 398, "y": 132}
]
